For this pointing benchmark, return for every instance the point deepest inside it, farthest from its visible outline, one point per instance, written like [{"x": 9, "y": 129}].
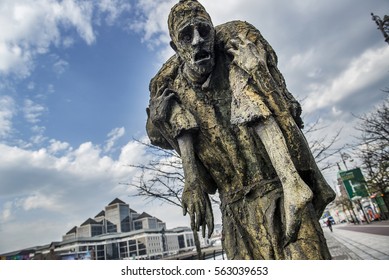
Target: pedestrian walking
[{"x": 329, "y": 224}]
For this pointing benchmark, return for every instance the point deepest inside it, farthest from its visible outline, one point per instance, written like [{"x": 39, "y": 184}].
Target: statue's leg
[
  {"x": 296, "y": 192},
  {"x": 310, "y": 243},
  {"x": 252, "y": 230},
  {"x": 252, "y": 226}
]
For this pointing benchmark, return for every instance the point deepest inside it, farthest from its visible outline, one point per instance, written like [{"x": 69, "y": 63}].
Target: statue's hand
[
  {"x": 160, "y": 105},
  {"x": 196, "y": 202},
  {"x": 246, "y": 54}
]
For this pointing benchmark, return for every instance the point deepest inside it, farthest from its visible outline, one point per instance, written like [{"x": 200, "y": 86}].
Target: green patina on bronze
[{"x": 217, "y": 102}]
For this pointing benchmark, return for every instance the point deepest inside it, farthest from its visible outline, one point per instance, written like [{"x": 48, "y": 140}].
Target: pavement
[{"x": 359, "y": 242}]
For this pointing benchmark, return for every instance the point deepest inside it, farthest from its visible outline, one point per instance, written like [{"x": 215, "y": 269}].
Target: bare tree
[
  {"x": 324, "y": 147},
  {"x": 374, "y": 149},
  {"x": 346, "y": 204},
  {"x": 161, "y": 178},
  {"x": 383, "y": 25}
]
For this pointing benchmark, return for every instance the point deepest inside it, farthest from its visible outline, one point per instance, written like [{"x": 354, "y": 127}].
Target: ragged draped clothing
[{"x": 220, "y": 115}]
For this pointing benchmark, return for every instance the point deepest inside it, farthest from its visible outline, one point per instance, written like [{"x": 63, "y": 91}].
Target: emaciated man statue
[{"x": 223, "y": 105}]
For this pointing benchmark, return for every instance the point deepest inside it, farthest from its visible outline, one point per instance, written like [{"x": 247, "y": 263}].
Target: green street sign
[{"x": 354, "y": 182}]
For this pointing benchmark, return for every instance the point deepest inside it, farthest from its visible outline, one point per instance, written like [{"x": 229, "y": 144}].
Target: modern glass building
[{"x": 117, "y": 232}]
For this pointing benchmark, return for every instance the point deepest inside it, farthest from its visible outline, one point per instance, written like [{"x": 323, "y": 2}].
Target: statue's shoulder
[
  {"x": 165, "y": 76},
  {"x": 239, "y": 29},
  {"x": 234, "y": 28}
]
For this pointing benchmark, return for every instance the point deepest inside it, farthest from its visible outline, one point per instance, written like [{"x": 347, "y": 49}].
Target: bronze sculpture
[{"x": 223, "y": 105}]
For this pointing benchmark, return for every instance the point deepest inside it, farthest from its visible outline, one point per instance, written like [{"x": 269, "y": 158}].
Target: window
[
  {"x": 138, "y": 225},
  {"x": 181, "y": 241}
]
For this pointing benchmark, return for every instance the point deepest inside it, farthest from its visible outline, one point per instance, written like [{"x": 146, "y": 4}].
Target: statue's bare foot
[{"x": 297, "y": 195}]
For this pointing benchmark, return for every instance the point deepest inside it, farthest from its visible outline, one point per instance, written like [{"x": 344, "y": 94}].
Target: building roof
[
  {"x": 132, "y": 211},
  {"x": 73, "y": 230},
  {"x": 144, "y": 215},
  {"x": 90, "y": 222},
  {"x": 116, "y": 201},
  {"x": 19, "y": 253},
  {"x": 101, "y": 214},
  {"x": 180, "y": 229}
]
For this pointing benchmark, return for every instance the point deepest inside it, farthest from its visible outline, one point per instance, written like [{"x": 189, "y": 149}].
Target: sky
[{"x": 74, "y": 81}]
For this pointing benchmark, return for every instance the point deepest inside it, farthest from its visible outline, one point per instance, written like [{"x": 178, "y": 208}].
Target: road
[
  {"x": 359, "y": 242},
  {"x": 379, "y": 228}
]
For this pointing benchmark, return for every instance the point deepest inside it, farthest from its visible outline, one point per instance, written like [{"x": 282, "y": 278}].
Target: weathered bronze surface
[{"x": 222, "y": 103}]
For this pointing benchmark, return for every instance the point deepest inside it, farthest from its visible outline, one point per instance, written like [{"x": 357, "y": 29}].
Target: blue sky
[{"x": 74, "y": 87}]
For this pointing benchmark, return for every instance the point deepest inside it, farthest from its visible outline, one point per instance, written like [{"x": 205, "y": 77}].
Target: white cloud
[
  {"x": 361, "y": 73},
  {"x": 31, "y": 86},
  {"x": 60, "y": 66},
  {"x": 29, "y": 28},
  {"x": 38, "y": 136},
  {"x": 43, "y": 201},
  {"x": 67, "y": 42},
  {"x": 32, "y": 111},
  {"x": 6, "y": 212},
  {"x": 7, "y": 112},
  {"x": 132, "y": 152},
  {"x": 153, "y": 21},
  {"x": 113, "y": 8},
  {"x": 61, "y": 183},
  {"x": 114, "y": 135},
  {"x": 336, "y": 112},
  {"x": 58, "y": 146}
]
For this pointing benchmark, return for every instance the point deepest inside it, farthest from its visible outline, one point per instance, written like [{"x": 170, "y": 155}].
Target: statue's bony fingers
[
  {"x": 199, "y": 216},
  {"x": 188, "y": 209},
  {"x": 168, "y": 93},
  {"x": 233, "y": 52},
  {"x": 161, "y": 90},
  {"x": 171, "y": 95},
  {"x": 184, "y": 208},
  {"x": 204, "y": 226},
  {"x": 232, "y": 47},
  {"x": 192, "y": 221},
  {"x": 209, "y": 218}
]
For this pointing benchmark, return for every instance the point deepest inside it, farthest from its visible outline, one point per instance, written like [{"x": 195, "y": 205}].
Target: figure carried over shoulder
[{"x": 223, "y": 105}]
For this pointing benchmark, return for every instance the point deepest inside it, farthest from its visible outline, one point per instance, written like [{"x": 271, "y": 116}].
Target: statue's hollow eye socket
[
  {"x": 204, "y": 30},
  {"x": 186, "y": 35}
]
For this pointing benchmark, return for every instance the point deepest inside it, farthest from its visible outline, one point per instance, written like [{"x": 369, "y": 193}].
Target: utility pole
[{"x": 383, "y": 25}]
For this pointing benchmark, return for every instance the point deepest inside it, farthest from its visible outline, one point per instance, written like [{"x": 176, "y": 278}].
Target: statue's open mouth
[{"x": 202, "y": 56}]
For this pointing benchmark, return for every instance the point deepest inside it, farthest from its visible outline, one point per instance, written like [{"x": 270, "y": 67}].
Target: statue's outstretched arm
[
  {"x": 251, "y": 61},
  {"x": 296, "y": 193},
  {"x": 195, "y": 200}
]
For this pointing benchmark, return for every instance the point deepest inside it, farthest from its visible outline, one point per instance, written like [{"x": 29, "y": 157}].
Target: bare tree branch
[
  {"x": 323, "y": 148},
  {"x": 374, "y": 148}
]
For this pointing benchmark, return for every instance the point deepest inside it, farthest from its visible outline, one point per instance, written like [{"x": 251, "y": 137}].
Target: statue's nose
[{"x": 197, "y": 39}]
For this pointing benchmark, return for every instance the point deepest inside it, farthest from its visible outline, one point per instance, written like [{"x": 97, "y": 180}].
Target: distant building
[{"x": 117, "y": 232}]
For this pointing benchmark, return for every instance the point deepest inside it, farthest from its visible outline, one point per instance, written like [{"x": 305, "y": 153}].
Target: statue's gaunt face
[{"x": 195, "y": 45}]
